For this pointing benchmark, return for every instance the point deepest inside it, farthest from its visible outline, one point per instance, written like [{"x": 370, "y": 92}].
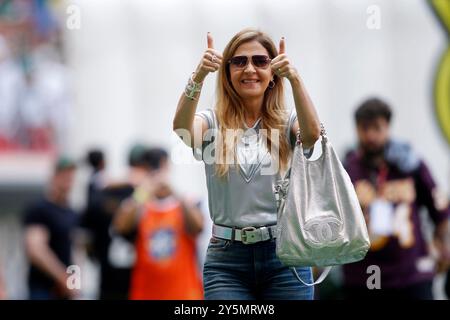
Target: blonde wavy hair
[{"x": 230, "y": 107}]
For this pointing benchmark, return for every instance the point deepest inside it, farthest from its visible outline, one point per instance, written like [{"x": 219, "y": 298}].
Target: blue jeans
[{"x": 237, "y": 271}]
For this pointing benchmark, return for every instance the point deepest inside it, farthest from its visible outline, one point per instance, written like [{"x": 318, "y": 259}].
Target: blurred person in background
[
  {"x": 11, "y": 82},
  {"x": 35, "y": 90},
  {"x": 392, "y": 184},
  {"x": 165, "y": 226},
  {"x": 97, "y": 180},
  {"x": 49, "y": 229},
  {"x": 113, "y": 252}
]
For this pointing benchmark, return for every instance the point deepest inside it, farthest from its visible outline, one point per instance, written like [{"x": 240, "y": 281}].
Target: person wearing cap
[{"x": 49, "y": 224}]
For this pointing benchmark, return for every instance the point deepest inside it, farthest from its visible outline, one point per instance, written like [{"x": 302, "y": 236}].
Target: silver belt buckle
[{"x": 244, "y": 236}]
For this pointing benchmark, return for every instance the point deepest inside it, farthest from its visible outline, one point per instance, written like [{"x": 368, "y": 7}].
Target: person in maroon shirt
[{"x": 393, "y": 184}]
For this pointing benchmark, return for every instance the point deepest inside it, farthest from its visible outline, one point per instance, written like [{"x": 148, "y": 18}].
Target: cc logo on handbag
[{"x": 323, "y": 231}]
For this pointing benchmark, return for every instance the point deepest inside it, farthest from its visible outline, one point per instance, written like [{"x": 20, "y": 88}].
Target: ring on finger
[{"x": 213, "y": 58}]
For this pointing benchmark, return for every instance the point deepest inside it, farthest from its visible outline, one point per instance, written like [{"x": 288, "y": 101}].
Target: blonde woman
[{"x": 248, "y": 133}]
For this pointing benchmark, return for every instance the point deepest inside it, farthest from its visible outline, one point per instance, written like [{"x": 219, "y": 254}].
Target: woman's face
[{"x": 250, "y": 81}]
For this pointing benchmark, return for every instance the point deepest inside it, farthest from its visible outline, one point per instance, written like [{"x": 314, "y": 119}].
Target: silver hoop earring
[{"x": 271, "y": 84}]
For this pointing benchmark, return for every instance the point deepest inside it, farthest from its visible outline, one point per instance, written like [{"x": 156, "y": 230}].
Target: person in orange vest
[{"x": 165, "y": 227}]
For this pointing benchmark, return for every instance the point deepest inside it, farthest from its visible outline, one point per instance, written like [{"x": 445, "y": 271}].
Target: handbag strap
[{"x": 322, "y": 276}]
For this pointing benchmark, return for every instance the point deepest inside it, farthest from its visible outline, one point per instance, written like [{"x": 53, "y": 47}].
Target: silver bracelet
[{"x": 192, "y": 88}]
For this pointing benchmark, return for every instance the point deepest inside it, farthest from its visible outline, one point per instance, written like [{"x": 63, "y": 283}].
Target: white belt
[{"x": 246, "y": 235}]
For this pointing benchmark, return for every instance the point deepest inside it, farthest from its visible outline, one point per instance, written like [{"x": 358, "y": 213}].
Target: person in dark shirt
[
  {"x": 393, "y": 184},
  {"x": 49, "y": 226}
]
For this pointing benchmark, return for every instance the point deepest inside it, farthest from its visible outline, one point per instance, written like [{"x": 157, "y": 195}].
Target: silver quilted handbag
[{"x": 320, "y": 222}]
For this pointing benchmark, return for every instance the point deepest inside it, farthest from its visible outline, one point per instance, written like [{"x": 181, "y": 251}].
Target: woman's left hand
[{"x": 281, "y": 65}]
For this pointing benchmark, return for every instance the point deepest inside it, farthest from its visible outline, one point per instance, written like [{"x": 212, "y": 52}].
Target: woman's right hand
[{"x": 211, "y": 61}]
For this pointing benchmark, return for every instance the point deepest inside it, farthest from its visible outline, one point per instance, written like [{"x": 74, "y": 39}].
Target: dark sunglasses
[{"x": 259, "y": 61}]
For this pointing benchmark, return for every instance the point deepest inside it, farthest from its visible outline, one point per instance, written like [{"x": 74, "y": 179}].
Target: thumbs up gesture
[
  {"x": 211, "y": 61},
  {"x": 281, "y": 65}
]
